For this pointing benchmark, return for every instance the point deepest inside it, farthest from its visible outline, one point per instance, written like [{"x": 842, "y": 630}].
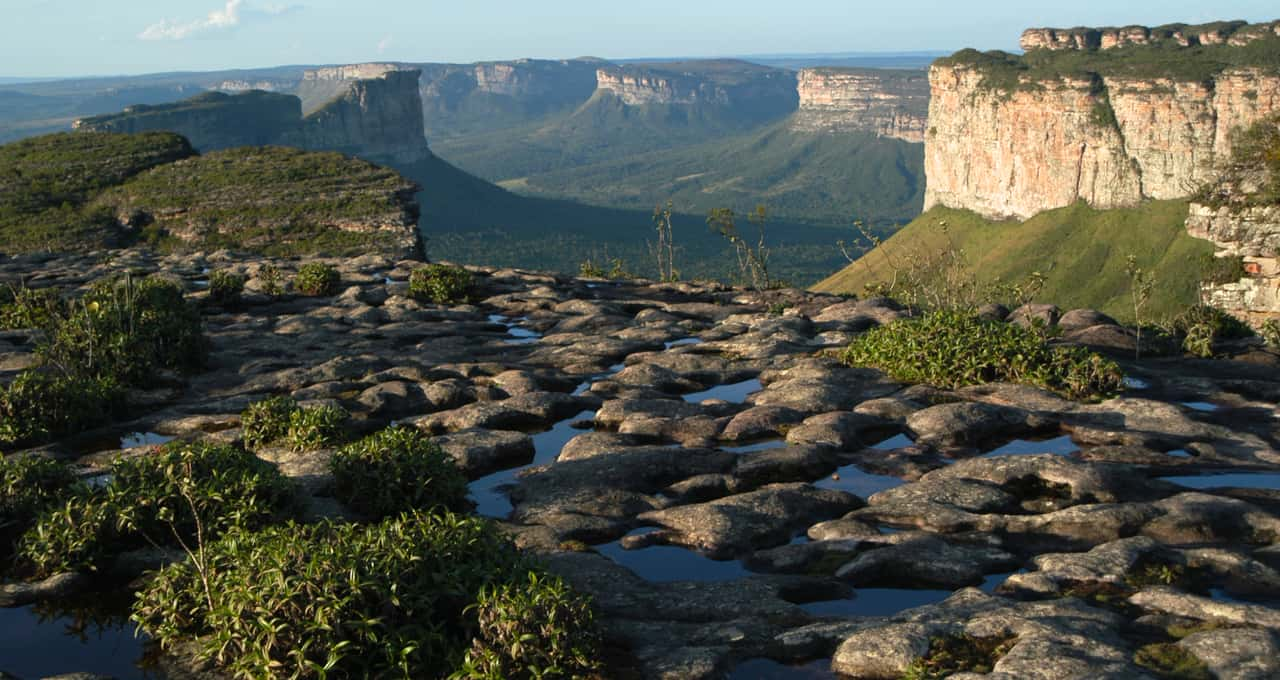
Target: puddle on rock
[
  {"x": 734, "y": 393},
  {"x": 42, "y": 641},
  {"x": 663, "y": 563},
  {"x": 519, "y": 335},
  {"x": 1062, "y": 446},
  {"x": 766, "y": 445},
  {"x": 1178, "y": 453},
  {"x": 684, "y": 342},
  {"x": 768, "y": 669},
  {"x": 1240, "y": 480},
  {"x": 900, "y": 441},
  {"x": 134, "y": 440},
  {"x": 489, "y": 493},
  {"x": 852, "y": 479},
  {"x": 1201, "y": 406},
  {"x": 1136, "y": 383},
  {"x": 876, "y": 602}
]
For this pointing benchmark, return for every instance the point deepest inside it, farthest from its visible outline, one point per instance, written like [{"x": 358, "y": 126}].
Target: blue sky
[{"x": 95, "y": 37}]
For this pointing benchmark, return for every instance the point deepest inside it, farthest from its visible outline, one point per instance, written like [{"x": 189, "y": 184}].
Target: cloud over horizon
[{"x": 229, "y": 17}]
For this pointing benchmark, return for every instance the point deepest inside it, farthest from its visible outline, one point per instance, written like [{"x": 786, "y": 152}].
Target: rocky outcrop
[
  {"x": 1013, "y": 147},
  {"x": 1235, "y": 33},
  {"x": 536, "y": 81},
  {"x": 738, "y": 85},
  {"x": 885, "y": 102},
  {"x": 372, "y": 110}
]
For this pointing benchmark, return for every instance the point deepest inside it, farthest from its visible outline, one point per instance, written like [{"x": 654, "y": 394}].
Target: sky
[{"x": 62, "y": 38}]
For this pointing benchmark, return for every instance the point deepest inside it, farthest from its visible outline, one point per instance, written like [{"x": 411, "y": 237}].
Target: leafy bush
[
  {"x": 271, "y": 279},
  {"x": 317, "y": 279},
  {"x": 953, "y": 349},
  {"x": 266, "y": 421},
  {"x": 384, "y": 600},
  {"x": 960, "y": 654},
  {"x": 185, "y": 493},
  {"x": 125, "y": 329},
  {"x": 441, "y": 284},
  {"x": 397, "y": 470},
  {"x": 225, "y": 288},
  {"x": 38, "y": 406},
  {"x": 29, "y": 485},
  {"x": 1201, "y": 327},
  {"x": 1168, "y": 660},
  {"x": 532, "y": 629},
  {"x": 315, "y": 427},
  {"x": 1270, "y": 332},
  {"x": 30, "y": 307}
]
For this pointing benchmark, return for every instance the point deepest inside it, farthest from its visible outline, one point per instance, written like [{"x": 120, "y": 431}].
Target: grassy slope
[
  {"x": 820, "y": 178},
  {"x": 1081, "y": 250}
]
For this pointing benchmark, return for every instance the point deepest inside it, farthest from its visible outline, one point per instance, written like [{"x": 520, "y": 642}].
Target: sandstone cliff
[
  {"x": 1013, "y": 136},
  {"x": 374, "y": 111},
  {"x": 748, "y": 90},
  {"x": 1234, "y": 33},
  {"x": 885, "y": 102}
]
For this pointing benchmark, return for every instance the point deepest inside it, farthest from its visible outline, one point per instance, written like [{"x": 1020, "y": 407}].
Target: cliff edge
[{"x": 1010, "y": 136}]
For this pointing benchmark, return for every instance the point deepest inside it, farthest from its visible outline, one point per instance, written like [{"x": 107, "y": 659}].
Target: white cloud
[
  {"x": 385, "y": 44},
  {"x": 231, "y": 15}
]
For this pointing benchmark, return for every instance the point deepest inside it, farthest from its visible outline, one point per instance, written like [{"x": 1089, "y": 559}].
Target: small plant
[
  {"x": 178, "y": 497},
  {"x": 777, "y": 309},
  {"x": 266, "y": 421},
  {"x": 394, "y": 471},
  {"x": 1270, "y": 332},
  {"x": 315, "y": 427},
  {"x": 1202, "y": 327},
  {"x": 39, "y": 406},
  {"x": 952, "y": 349},
  {"x": 532, "y": 629},
  {"x": 1171, "y": 662},
  {"x": 317, "y": 279},
  {"x": 441, "y": 284},
  {"x": 753, "y": 261},
  {"x": 665, "y": 250},
  {"x": 960, "y": 654},
  {"x": 342, "y": 600},
  {"x": 271, "y": 279},
  {"x": 225, "y": 288},
  {"x": 1141, "y": 285},
  {"x": 23, "y": 307},
  {"x": 29, "y": 486}
]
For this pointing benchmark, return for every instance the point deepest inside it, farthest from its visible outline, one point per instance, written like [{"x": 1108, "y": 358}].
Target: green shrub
[
  {"x": 951, "y": 349},
  {"x": 394, "y": 471},
  {"x": 1202, "y": 327},
  {"x": 960, "y": 654},
  {"x": 441, "y": 284},
  {"x": 30, "y": 308},
  {"x": 186, "y": 492},
  {"x": 126, "y": 329},
  {"x": 29, "y": 485},
  {"x": 1221, "y": 270},
  {"x": 271, "y": 280},
  {"x": 38, "y": 406},
  {"x": 532, "y": 629},
  {"x": 1168, "y": 660},
  {"x": 315, "y": 427},
  {"x": 317, "y": 279},
  {"x": 1270, "y": 332},
  {"x": 266, "y": 421},
  {"x": 307, "y": 601},
  {"x": 225, "y": 288}
]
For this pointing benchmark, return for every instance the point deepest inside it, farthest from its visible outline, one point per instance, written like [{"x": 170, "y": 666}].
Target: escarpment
[
  {"x": 1234, "y": 33},
  {"x": 1012, "y": 136},
  {"x": 370, "y": 110},
  {"x": 748, "y": 90},
  {"x": 884, "y": 102}
]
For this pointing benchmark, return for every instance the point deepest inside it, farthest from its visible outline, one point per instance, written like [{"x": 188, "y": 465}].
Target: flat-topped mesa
[
  {"x": 474, "y": 91},
  {"x": 377, "y": 118},
  {"x": 351, "y": 72},
  {"x": 1012, "y": 136},
  {"x": 1235, "y": 33},
  {"x": 721, "y": 83},
  {"x": 884, "y": 102}
]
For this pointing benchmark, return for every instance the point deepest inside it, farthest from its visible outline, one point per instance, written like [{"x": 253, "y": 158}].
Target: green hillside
[
  {"x": 47, "y": 183},
  {"x": 818, "y": 178},
  {"x": 1082, "y": 251}
]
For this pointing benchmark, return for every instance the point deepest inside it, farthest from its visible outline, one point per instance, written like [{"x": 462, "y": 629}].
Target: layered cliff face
[
  {"x": 459, "y": 98},
  {"x": 884, "y": 102},
  {"x": 1234, "y": 33},
  {"x": 747, "y": 90},
  {"x": 378, "y": 117},
  {"x": 1011, "y": 136},
  {"x": 375, "y": 112}
]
